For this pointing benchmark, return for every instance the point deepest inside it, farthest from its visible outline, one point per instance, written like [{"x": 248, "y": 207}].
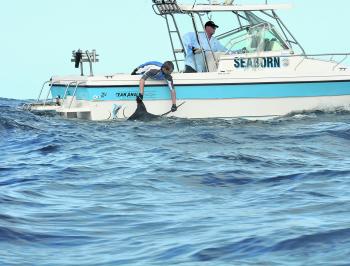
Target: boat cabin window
[{"x": 255, "y": 38}]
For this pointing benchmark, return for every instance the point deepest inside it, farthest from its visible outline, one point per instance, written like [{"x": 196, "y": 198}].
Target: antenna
[{"x": 194, "y": 3}]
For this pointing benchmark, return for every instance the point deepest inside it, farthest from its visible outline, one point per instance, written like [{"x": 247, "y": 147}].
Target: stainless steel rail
[
  {"x": 75, "y": 91},
  {"x": 66, "y": 90},
  {"x": 42, "y": 88}
]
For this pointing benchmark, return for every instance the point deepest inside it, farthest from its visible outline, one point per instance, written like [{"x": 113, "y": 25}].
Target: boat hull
[{"x": 245, "y": 100}]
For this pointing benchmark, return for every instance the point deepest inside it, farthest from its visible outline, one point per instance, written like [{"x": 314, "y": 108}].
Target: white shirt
[{"x": 190, "y": 41}]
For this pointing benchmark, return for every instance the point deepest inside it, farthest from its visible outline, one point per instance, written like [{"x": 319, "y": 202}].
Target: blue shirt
[
  {"x": 153, "y": 70},
  {"x": 190, "y": 42}
]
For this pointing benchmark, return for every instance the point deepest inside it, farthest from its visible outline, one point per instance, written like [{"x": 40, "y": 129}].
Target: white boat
[{"x": 272, "y": 76}]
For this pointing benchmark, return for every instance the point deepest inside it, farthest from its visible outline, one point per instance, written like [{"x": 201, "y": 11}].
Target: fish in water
[{"x": 142, "y": 114}]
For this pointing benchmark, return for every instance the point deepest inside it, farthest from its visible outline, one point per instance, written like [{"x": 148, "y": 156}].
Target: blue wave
[
  {"x": 6, "y": 124},
  {"x": 316, "y": 241},
  {"x": 304, "y": 176},
  {"x": 23, "y": 237},
  {"x": 51, "y": 148},
  {"x": 247, "y": 247},
  {"x": 255, "y": 246},
  {"x": 16, "y": 181}
]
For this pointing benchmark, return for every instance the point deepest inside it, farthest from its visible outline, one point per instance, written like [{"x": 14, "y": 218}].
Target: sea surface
[{"x": 174, "y": 191}]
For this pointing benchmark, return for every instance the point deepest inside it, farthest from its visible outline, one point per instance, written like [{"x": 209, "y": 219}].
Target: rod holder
[{"x": 79, "y": 58}]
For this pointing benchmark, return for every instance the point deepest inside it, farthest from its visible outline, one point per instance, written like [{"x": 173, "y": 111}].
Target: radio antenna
[{"x": 194, "y": 3}]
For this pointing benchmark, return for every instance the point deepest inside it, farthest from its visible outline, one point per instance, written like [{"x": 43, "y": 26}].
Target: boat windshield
[{"x": 257, "y": 38}]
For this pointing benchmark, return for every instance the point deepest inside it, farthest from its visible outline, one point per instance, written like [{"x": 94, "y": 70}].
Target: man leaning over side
[{"x": 156, "y": 71}]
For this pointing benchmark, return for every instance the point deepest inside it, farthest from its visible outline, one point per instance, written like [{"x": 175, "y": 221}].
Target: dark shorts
[{"x": 189, "y": 69}]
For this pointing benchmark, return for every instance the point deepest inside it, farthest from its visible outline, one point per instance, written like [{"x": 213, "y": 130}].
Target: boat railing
[
  {"x": 48, "y": 92},
  {"x": 45, "y": 101},
  {"x": 42, "y": 89},
  {"x": 331, "y": 59},
  {"x": 341, "y": 61},
  {"x": 66, "y": 90},
  {"x": 75, "y": 91},
  {"x": 77, "y": 84}
]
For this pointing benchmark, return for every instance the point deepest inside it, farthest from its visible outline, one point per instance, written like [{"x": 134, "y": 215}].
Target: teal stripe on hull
[{"x": 205, "y": 92}]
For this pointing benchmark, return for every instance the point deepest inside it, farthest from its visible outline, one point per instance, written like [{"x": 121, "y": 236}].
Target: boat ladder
[{"x": 167, "y": 9}]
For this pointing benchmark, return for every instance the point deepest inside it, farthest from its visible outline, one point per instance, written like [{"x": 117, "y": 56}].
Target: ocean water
[{"x": 174, "y": 191}]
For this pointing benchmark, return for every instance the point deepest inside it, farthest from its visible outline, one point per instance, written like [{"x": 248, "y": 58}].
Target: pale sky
[{"x": 37, "y": 37}]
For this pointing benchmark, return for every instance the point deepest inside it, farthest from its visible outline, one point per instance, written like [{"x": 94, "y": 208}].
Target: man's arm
[
  {"x": 170, "y": 82},
  {"x": 142, "y": 85},
  {"x": 172, "y": 91},
  {"x": 149, "y": 74},
  {"x": 190, "y": 42},
  {"x": 219, "y": 47}
]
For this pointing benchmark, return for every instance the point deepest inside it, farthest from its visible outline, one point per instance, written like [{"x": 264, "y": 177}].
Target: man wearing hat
[{"x": 194, "y": 60}]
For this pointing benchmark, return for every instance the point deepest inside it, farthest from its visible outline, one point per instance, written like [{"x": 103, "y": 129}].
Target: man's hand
[
  {"x": 196, "y": 50},
  {"x": 173, "y": 108},
  {"x": 135, "y": 70},
  {"x": 139, "y": 98}
]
